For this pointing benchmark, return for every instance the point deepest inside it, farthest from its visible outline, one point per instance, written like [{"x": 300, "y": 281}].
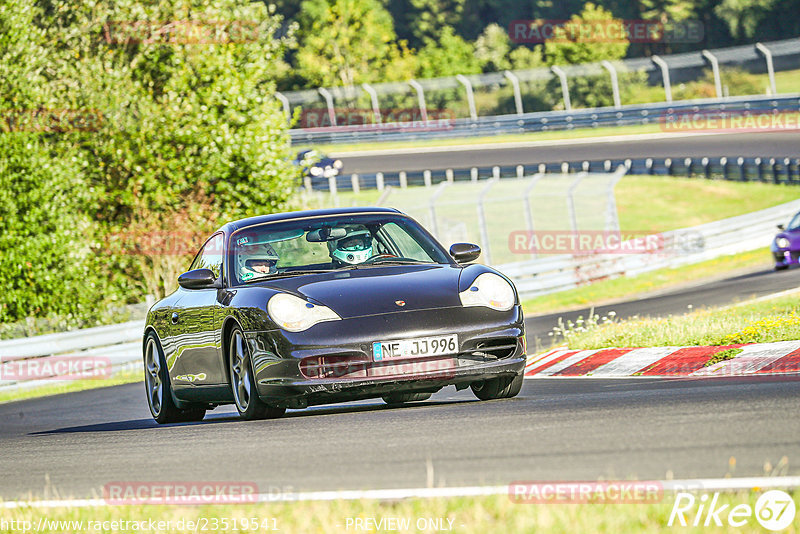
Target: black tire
[
  {"x": 502, "y": 387},
  {"x": 781, "y": 267},
  {"x": 242, "y": 380},
  {"x": 402, "y": 398},
  {"x": 158, "y": 389}
]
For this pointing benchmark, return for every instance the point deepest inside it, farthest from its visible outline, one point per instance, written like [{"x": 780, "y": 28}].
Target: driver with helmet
[
  {"x": 255, "y": 260},
  {"x": 352, "y": 249}
]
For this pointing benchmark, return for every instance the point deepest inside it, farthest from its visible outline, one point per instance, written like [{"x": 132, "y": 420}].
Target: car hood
[
  {"x": 374, "y": 290},
  {"x": 793, "y": 236}
]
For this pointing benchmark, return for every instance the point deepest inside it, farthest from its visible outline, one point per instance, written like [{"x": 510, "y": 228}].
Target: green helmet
[{"x": 352, "y": 249}]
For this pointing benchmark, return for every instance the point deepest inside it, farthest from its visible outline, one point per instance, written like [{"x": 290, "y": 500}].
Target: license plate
[{"x": 415, "y": 348}]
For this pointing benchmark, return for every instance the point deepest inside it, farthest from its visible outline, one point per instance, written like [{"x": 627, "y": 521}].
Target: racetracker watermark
[
  {"x": 187, "y": 492},
  {"x": 587, "y": 242},
  {"x": 56, "y": 368},
  {"x": 774, "y": 510},
  {"x": 605, "y": 31},
  {"x": 745, "y": 121},
  {"x": 385, "y": 119},
  {"x": 158, "y": 243},
  {"x": 181, "y": 32},
  {"x": 610, "y": 492},
  {"x": 44, "y": 120}
]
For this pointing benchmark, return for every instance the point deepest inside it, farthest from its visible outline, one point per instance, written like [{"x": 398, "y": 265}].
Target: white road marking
[
  {"x": 634, "y": 361},
  {"x": 751, "y": 359},
  {"x": 568, "y": 361}
]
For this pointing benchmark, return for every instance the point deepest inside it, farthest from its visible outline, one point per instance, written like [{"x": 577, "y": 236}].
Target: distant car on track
[
  {"x": 305, "y": 308},
  {"x": 786, "y": 245},
  {"x": 317, "y": 165}
]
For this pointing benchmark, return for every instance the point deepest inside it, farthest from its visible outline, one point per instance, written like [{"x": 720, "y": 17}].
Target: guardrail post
[
  {"x": 607, "y": 165},
  {"x": 688, "y": 162},
  {"x": 564, "y": 167},
  {"x": 496, "y": 172},
  {"x": 759, "y": 169},
  {"x": 473, "y": 174},
  {"x": 542, "y": 168},
  {"x": 526, "y": 201},
  {"x": 423, "y": 109},
  {"x": 664, "y": 75},
  {"x": 775, "y": 174},
  {"x": 332, "y": 185},
  {"x": 712, "y": 59},
  {"x": 426, "y": 177},
  {"x": 307, "y": 183},
  {"x": 573, "y": 217},
  {"x": 562, "y": 76},
  {"x": 329, "y": 101},
  {"x": 449, "y": 175},
  {"x": 614, "y": 81},
  {"x": 585, "y": 166},
  {"x": 286, "y": 107},
  {"x": 520, "y": 171},
  {"x": 482, "y": 221},
  {"x": 788, "y": 164},
  {"x": 770, "y": 68},
  {"x": 517, "y": 94},
  {"x": 379, "y": 181},
  {"x": 432, "y": 206},
  {"x": 668, "y": 166},
  {"x": 373, "y": 96},
  {"x": 403, "y": 179},
  {"x": 648, "y": 165},
  {"x": 706, "y": 163},
  {"x": 742, "y": 169},
  {"x": 357, "y": 186},
  {"x": 473, "y": 113}
]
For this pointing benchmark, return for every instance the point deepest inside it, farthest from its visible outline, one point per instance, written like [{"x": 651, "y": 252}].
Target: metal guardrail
[
  {"x": 661, "y": 112},
  {"x": 681, "y": 247},
  {"x": 737, "y": 168}
]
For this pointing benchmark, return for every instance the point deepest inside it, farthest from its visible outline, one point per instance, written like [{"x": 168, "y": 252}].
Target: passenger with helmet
[
  {"x": 352, "y": 249},
  {"x": 256, "y": 260}
]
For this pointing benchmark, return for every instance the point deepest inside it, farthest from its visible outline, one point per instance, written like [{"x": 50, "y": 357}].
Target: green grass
[
  {"x": 723, "y": 355},
  {"x": 122, "y": 377},
  {"x": 762, "y": 321},
  {"x": 606, "y": 291},
  {"x": 468, "y": 515}
]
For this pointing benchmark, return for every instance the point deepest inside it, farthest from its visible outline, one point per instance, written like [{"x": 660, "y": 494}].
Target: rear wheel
[
  {"x": 401, "y": 398},
  {"x": 502, "y": 387},
  {"x": 158, "y": 389},
  {"x": 245, "y": 395}
]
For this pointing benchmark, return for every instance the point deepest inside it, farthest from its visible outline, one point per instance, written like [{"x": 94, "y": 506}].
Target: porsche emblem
[{"x": 400, "y": 303}]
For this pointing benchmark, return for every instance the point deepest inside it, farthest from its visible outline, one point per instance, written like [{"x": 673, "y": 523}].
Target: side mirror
[
  {"x": 197, "y": 279},
  {"x": 781, "y": 227},
  {"x": 465, "y": 252}
]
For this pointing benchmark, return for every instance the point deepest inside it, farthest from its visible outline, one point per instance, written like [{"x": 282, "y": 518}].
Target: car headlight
[
  {"x": 782, "y": 242},
  {"x": 489, "y": 290},
  {"x": 315, "y": 171},
  {"x": 337, "y": 164},
  {"x": 295, "y": 314}
]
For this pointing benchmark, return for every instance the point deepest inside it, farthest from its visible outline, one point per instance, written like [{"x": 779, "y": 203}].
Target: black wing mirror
[
  {"x": 197, "y": 279},
  {"x": 465, "y": 252},
  {"x": 781, "y": 227}
]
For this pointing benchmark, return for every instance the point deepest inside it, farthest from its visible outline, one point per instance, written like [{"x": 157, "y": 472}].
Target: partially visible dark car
[
  {"x": 317, "y": 165},
  {"x": 295, "y": 309},
  {"x": 786, "y": 245}
]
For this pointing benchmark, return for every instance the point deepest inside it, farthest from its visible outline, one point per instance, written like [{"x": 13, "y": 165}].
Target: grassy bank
[
  {"x": 122, "y": 377},
  {"x": 465, "y": 515},
  {"x": 761, "y": 321}
]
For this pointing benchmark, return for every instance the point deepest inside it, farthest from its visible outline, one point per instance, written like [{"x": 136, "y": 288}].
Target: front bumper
[
  {"x": 491, "y": 344},
  {"x": 786, "y": 257}
]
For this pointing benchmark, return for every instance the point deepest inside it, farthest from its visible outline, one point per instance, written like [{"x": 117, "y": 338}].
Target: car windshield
[
  {"x": 324, "y": 244},
  {"x": 795, "y": 223}
]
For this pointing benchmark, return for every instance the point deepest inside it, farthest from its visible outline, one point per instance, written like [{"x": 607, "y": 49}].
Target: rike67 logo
[{"x": 774, "y": 510}]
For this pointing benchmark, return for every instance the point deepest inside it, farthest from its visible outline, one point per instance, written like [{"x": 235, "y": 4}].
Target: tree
[
  {"x": 492, "y": 49},
  {"x": 592, "y": 35},
  {"x": 448, "y": 56},
  {"x": 744, "y": 17}
]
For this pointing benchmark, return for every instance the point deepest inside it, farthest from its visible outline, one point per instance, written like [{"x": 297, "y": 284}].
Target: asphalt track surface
[
  {"x": 772, "y": 144},
  {"x": 556, "y": 429}
]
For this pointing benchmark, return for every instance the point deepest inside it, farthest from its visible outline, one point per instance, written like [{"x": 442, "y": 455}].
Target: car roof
[{"x": 290, "y": 215}]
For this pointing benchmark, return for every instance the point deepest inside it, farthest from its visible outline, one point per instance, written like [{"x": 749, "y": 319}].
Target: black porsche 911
[{"x": 298, "y": 309}]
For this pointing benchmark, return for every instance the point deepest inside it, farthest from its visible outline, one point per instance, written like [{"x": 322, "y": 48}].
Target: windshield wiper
[
  {"x": 284, "y": 274},
  {"x": 387, "y": 261}
]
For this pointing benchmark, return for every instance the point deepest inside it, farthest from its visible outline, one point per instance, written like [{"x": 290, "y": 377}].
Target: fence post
[
  {"x": 373, "y": 96},
  {"x": 573, "y": 217},
  {"x": 286, "y": 108},
  {"x": 664, "y": 75},
  {"x": 357, "y": 186},
  {"x": 612, "y": 217},
  {"x": 526, "y": 200},
  {"x": 711, "y": 58},
  {"x": 379, "y": 181},
  {"x": 770, "y": 67},
  {"x": 432, "y": 207},
  {"x": 386, "y": 192},
  {"x": 329, "y": 101},
  {"x": 482, "y": 220},
  {"x": 562, "y": 76},
  {"x": 423, "y": 109},
  {"x": 517, "y": 95},
  {"x": 614, "y": 81},
  {"x": 403, "y": 179},
  {"x": 473, "y": 114}
]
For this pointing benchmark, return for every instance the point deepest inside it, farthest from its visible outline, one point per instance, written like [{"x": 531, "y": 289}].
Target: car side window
[
  {"x": 795, "y": 224},
  {"x": 210, "y": 257},
  {"x": 409, "y": 248}
]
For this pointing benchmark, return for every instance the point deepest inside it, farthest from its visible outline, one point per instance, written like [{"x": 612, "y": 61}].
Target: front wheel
[
  {"x": 245, "y": 395},
  {"x": 158, "y": 389},
  {"x": 501, "y": 387}
]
